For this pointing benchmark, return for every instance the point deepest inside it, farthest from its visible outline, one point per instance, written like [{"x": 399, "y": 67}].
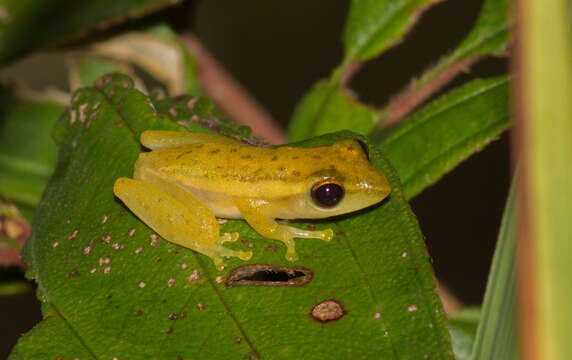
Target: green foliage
[
  {"x": 85, "y": 250},
  {"x": 431, "y": 142},
  {"x": 27, "y": 152},
  {"x": 108, "y": 290},
  {"x": 497, "y": 333},
  {"x": 372, "y": 27},
  {"x": 28, "y": 24}
]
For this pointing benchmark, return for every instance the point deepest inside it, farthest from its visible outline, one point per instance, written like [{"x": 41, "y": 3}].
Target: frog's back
[{"x": 235, "y": 169}]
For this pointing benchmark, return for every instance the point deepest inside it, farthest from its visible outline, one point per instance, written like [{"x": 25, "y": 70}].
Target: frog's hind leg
[
  {"x": 178, "y": 217},
  {"x": 161, "y": 139},
  {"x": 257, "y": 217}
]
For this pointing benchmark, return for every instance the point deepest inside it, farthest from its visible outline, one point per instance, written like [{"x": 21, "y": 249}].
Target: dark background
[{"x": 277, "y": 50}]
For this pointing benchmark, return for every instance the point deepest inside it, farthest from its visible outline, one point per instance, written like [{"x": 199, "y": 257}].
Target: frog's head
[{"x": 348, "y": 184}]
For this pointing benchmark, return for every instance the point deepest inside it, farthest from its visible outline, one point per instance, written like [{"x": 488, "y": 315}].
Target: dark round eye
[{"x": 327, "y": 194}]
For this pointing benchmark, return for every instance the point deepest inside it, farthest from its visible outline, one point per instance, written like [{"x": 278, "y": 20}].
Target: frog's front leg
[
  {"x": 178, "y": 217},
  {"x": 257, "y": 214}
]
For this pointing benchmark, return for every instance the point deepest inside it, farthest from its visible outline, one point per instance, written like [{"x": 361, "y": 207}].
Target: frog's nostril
[{"x": 269, "y": 275}]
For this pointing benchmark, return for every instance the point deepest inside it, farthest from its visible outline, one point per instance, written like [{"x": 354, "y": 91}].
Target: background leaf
[
  {"x": 372, "y": 26},
  {"x": 29, "y": 24},
  {"x": 27, "y": 151},
  {"x": 145, "y": 299},
  {"x": 497, "y": 333},
  {"x": 434, "y": 140},
  {"x": 375, "y": 25}
]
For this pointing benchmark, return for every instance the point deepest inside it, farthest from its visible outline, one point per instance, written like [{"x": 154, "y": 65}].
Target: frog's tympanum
[{"x": 189, "y": 179}]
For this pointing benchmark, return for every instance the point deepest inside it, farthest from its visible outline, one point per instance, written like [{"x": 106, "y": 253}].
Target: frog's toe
[
  {"x": 244, "y": 255},
  {"x": 229, "y": 237},
  {"x": 291, "y": 256},
  {"x": 327, "y": 234}
]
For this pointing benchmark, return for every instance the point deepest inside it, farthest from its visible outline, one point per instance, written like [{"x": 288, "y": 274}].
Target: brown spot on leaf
[{"x": 327, "y": 310}]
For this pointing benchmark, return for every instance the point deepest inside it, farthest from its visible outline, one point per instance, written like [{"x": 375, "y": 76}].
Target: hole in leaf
[{"x": 269, "y": 275}]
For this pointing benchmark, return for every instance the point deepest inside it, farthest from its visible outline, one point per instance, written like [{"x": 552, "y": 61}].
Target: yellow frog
[{"x": 189, "y": 178}]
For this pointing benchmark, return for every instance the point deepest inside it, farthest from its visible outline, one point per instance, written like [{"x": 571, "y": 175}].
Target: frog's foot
[
  {"x": 228, "y": 237},
  {"x": 218, "y": 253}
]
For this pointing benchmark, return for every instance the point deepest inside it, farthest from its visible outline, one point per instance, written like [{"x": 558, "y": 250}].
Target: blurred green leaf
[
  {"x": 160, "y": 53},
  {"x": 435, "y": 139},
  {"x": 27, "y": 151},
  {"x": 463, "y": 328},
  {"x": 372, "y": 26},
  {"x": 336, "y": 111},
  {"x": 497, "y": 332},
  {"x": 489, "y": 36},
  {"x": 146, "y": 300},
  {"x": 28, "y": 24},
  {"x": 375, "y": 25},
  {"x": 87, "y": 68}
]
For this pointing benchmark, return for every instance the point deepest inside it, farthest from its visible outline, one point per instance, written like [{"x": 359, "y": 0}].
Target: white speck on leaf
[
  {"x": 184, "y": 266},
  {"x": 117, "y": 246},
  {"x": 142, "y": 284},
  {"x": 104, "y": 219},
  {"x": 154, "y": 238},
  {"x": 219, "y": 279},
  {"x": 73, "y": 235},
  {"x": 201, "y": 306},
  {"x": 131, "y": 232},
  {"x": 55, "y": 244},
  {"x": 377, "y": 315},
  {"x": 107, "y": 270},
  {"x": 104, "y": 261},
  {"x": 194, "y": 276},
  {"x": 138, "y": 251},
  {"x": 412, "y": 308},
  {"x": 170, "y": 282},
  {"x": 404, "y": 254}
]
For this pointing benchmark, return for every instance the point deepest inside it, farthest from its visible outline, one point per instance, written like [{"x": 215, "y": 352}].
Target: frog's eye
[
  {"x": 364, "y": 148},
  {"x": 327, "y": 193}
]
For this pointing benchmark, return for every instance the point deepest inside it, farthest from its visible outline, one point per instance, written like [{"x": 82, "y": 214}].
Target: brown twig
[
  {"x": 415, "y": 93},
  {"x": 229, "y": 95}
]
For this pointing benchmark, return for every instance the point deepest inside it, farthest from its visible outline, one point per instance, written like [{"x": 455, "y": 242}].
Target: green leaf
[
  {"x": 375, "y": 25},
  {"x": 463, "y": 329},
  {"x": 27, "y": 151},
  {"x": 123, "y": 295},
  {"x": 160, "y": 53},
  {"x": 490, "y": 33},
  {"x": 327, "y": 109},
  {"x": 434, "y": 140},
  {"x": 497, "y": 333},
  {"x": 372, "y": 27},
  {"x": 87, "y": 68},
  {"x": 489, "y": 36},
  {"x": 29, "y": 24}
]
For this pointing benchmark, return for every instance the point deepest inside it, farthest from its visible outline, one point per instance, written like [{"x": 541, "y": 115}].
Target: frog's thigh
[
  {"x": 266, "y": 226},
  {"x": 182, "y": 220},
  {"x": 160, "y": 139}
]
